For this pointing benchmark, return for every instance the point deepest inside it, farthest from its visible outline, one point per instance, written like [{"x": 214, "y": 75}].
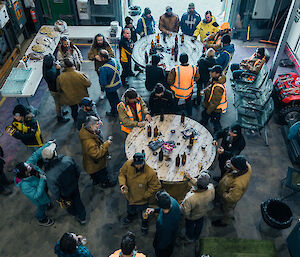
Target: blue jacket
[
  {"x": 107, "y": 73},
  {"x": 293, "y": 131},
  {"x": 33, "y": 187},
  {"x": 189, "y": 23},
  {"x": 150, "y": 26},
  {"x": 167, "y": 226},
  {"x": 81, "y": 251},
  {"x": 224, "y": 55}
]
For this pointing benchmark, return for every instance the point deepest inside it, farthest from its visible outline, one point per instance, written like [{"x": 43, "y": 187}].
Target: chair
[{"x": 292, "y": 181}]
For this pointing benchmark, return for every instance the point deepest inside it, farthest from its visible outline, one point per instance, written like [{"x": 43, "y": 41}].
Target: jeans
[
  {"x": 77, "y": 208},
  {"x": 132, "y": 210},
  {"x": 188, "y": 105},
  {"x": 165, "y": 252},
  {"x": 74, "y": 111},
  {"x": 214, "y": 117},
  {"x": 100, "y": 176},
  {"x": 126, "y": 72},
  {"x": 41, "y": 212},
  {"x": 193, "y": 228},
  {"x": 113, "y": 99},
  {"x": 236, "y": 70}
]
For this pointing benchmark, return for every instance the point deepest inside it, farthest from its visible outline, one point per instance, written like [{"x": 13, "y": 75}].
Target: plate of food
[
  {"x": 52, "y": 34},
  {"x": 45, "y": 30},
  {"x": 43, "y": 41},
  {"x": 38, "y": 48}
]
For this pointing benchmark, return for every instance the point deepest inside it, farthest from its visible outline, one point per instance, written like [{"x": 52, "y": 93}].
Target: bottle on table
[
  {"x": 162, "y": 117},
  {"x": 182, "y": 38},
  {"x": 177, "y": 161},
  {"x": 157, "y": 39},
  {"x": 155, "y": 133},
  {"x": 146, "y": 57},
  {"x": 161, "y": 155},
  {"x": 182, "y": 118},
  {"x": 176, "y": 39},
  {"x": 192, "y": 137},
  {"x": 149, "y": 131},
  {"x": 152, "y": 44},
  {"x": 183, "y": 161}
]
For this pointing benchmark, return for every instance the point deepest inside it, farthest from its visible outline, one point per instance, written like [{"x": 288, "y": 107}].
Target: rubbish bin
[{"x": 277, "y": 215}]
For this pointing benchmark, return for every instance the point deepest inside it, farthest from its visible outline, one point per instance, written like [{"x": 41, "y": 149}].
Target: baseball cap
[
  {"x": 169, "y": 9},
  {"x": 203, "y": 180},
  {"x": 147, "y": 11},
  {"x": 191, "y": 5},
  {"x": 48, "y": 151},
  {"x": 20, "y": 110},
  {"x": 217, "y": 68},
  {"x": 87, "y": 102},
  {"x": 239, "y": 162}
]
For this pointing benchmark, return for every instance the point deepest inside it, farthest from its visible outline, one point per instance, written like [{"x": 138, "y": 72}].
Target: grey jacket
[{"x": 62, "y": 176}]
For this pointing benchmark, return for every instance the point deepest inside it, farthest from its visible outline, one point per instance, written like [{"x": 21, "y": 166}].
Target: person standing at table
[
  {"x": 129, "y": 25},
  {"x": 181, "y": 80},
  {"x": 161, "y": 101},
  {"x": 51, "y": 71},
  {"x": 215, "y": 98},
  {"x": 207, "y": 26},
  {"x": 126, "y": 46},
  {"x": 166, "y": 224},
  {"x": 232, "y": 144},
  {"x": 72, "y": 87},
  {"x": 196, "y": 204},
  {"x": 66, "y": 49},
  {"x": 138, "y": 182},
  {"x": 95, "y": 152},
  {"x": 25, "y": 127},
  {"x": 154, "y": 73},
  {"x": 169, "y": 22},
  {"x": 190, "y": 20},
  {"x": 131, "y": 110},
  {"x": 232, "y": 187},
  {"x": 99, "y": 43},
  {"x": 109, "y": 78},
  {"x": 146, "y": 24}
]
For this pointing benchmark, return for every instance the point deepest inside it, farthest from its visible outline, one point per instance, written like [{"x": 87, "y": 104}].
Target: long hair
[{"x": 95, "y": 45}]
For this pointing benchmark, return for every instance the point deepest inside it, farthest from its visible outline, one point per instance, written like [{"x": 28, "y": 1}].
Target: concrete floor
[{"x": 21, "y": 236}]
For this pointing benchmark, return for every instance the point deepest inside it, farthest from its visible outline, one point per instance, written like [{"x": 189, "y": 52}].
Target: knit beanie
[
  {"x": 239, "y": 162},
  {"x": 147, "y": 11},
  {"x": 163, "y": 200},
  {"x": 21, "y": 109}
]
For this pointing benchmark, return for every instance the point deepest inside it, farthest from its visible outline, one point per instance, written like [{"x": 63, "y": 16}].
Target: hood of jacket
[
  {"x": 229, "y": 48},
  {"x": 84, "y": 134},
  {"x": 212, "y": 20},
  {"x": 48, "y": 61}
]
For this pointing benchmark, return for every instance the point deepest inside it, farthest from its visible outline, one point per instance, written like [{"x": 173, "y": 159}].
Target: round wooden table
[
  {"x": 192, "y": 48},
  {"x": 197, "y": 159}
]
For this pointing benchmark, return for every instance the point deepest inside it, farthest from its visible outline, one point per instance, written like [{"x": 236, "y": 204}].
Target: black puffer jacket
[
  {"x": 204, "y": 63},
  {"x": 50, "y": 72},
  {"x": 155, "y": 74}
]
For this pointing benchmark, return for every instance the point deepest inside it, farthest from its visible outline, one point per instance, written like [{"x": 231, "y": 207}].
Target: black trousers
[
  {"x": 113, "y": 99},
  {"x": 214, "y": 117},
  {"x": 3, "y": 180},
  {"x": 74, "y": 111},
  {"x": 100, "y": 176},
  {"x": 126, "y": 71},
  {"x": 188, "y": 105},
  {"x": 165, "y": 252},
  {"x": 77, "y": 208}
]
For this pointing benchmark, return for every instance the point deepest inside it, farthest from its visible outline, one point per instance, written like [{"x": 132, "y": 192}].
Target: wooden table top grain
[{"x": 197, "y": 159}]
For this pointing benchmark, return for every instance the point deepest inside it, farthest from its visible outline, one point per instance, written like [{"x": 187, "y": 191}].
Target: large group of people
[{"x": 48, "y": 177}]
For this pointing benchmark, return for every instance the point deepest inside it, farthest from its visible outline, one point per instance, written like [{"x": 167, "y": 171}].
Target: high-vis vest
[
  {"x": 251, "y": 58},
  {"x": 223, "y": 103},
  {"x": 184, "y": 81},
  {"x": 145, "y": 33},
  {"x": 227, "y": 66},
  {"x": 130, "y": 115},
  {"x": 113, "y": 83}
]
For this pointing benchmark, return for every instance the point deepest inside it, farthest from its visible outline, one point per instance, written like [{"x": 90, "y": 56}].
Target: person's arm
[
  {"x": 171, "y": 77},
  {"x": 54, "y": 189},
  {"x": 122, "y": 175},
  {"x": 215, "y": 99},
  {"x": 197, "y": 75},
  {"x": 60, "y": 57},
  {"x": 34, "y": 192},
  {"x": 84, "y": 80},
  {"x": 220, "y": 134},
  {"x": 143, "y": 106},
  {"x": 92, "y": 54},
  {"x": 237, "y": 148},
  {"x": 153, "y": 185},
  {"x": 186, "y": 207},
  {"x": 103, "y": 77},
  {"x": 197, "y": 30},
  {"x": 79, "y": 53},
  {"x": 125, "y": 119},
  {"x": 161, "y": 25},
  {"x": 139, "y": 27},
  {"x": 85, "y": 252},
  {"x": 177, "y": 24},
  {"x": 222, "y": 59},
  {"x": 110, "y": 51},
  {"x": 97, "y": 152},
  {"x": 37, "y": 155},
  {"x": 233, "y": 195}
]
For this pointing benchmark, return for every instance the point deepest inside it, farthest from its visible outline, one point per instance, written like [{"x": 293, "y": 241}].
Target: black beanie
[
  {"x": 21, "y": 109},
  {"x": 236, "y": 128},
  {"x": 147, "y": 11},
  {"x": 226, "y": 39},
  {"x": 163, "y": 200},
  {"x": 239, "y": 162}
]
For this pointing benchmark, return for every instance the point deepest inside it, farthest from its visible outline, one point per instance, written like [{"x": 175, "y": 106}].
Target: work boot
[
  {"x": 219, "y": 223},
  {"x": 62, "y": 119},
  {"x": 102, "y": 95},
  {"x": 47, "y": 222},
  {"x": 6, "y": 191}
]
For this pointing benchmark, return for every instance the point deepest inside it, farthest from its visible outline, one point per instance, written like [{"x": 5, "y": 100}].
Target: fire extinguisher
[{"x": 33, "y": 15}]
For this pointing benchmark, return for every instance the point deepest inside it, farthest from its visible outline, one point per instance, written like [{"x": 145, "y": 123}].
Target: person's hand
[
  {"x": 124, "y": 189},
  {"x": 97, "y": 57},
  {"x": 79, "y": 238},
  {"x": 141, "y": 124},
  {"x": 131, "y": 45},
  {"x": 220, "y": 150},
  {"x": 57, "y": 66},
  {"x": 148, "y": 117},
  {"x": 202, "y": 92},
  {"x": 110, "y": 138},
  {"x": 215, "y": 142},
  {"x": 43, "y": 176},
  {"x": 187, "y": 175},
  {"x": 149, "y": 211},
  {"x": 109, "y": 142}
]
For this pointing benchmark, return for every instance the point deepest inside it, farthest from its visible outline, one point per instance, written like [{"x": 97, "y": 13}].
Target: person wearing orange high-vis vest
[
  {"x": 131, "y": 110},
  {"x": 181, "y": 80},
  {"x": 215, "y": 100}
]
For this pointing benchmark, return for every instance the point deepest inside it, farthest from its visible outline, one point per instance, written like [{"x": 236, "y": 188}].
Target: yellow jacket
[
  {"x": 205, "y": 29},
  {"x": 141, "y": 185}
]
